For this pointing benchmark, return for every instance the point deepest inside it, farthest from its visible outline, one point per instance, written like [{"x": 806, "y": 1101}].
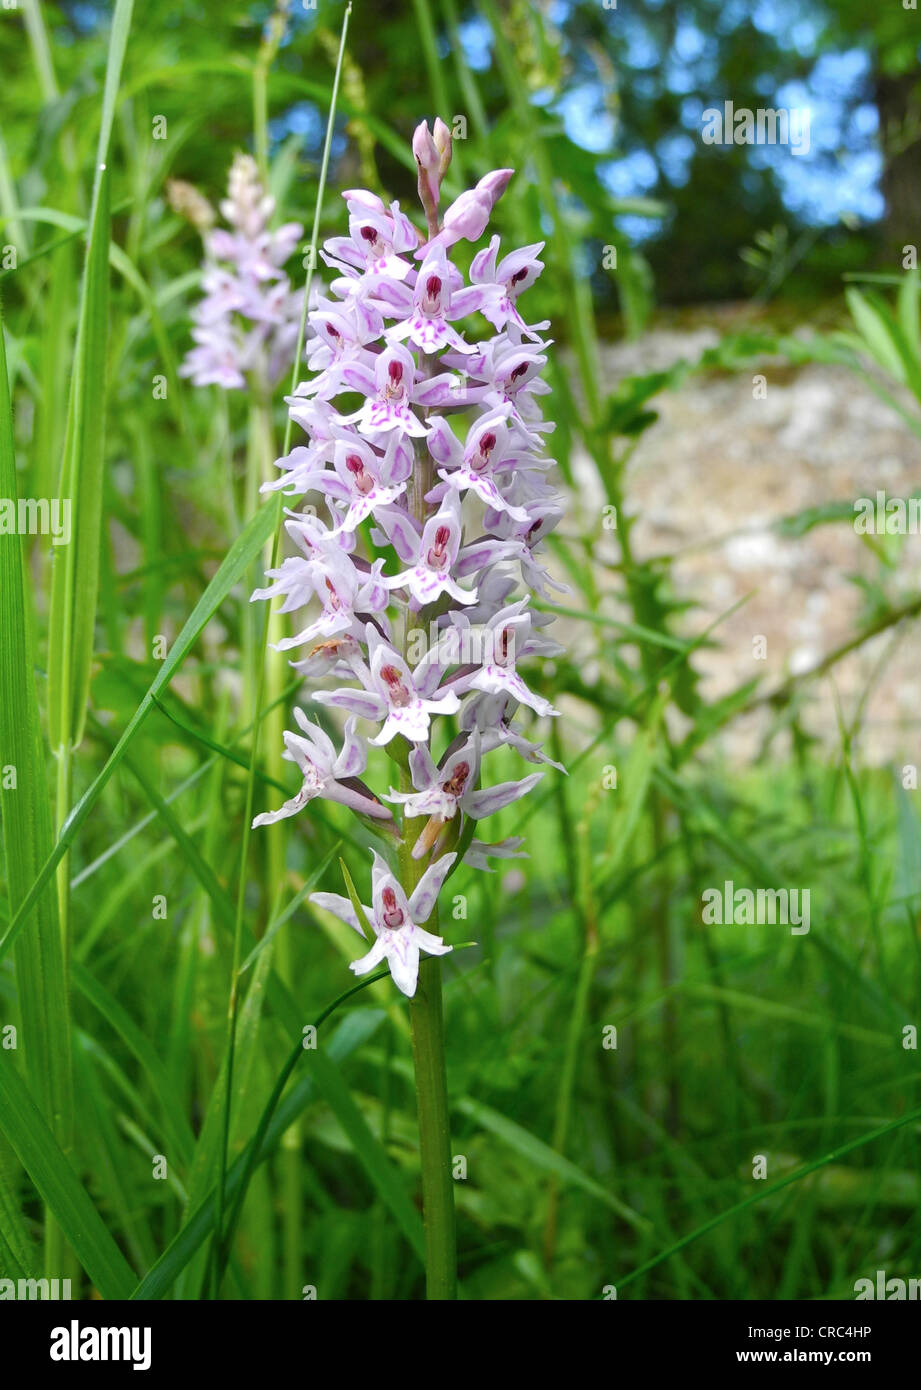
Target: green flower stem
[
  {"x": 271, "y": 741},
  {"x": 426, "y": 1017}
]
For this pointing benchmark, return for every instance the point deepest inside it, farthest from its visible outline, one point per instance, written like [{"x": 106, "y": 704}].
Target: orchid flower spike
[
  {"x": 246, "y": 327},
  {"x": 417, "y": 589}
]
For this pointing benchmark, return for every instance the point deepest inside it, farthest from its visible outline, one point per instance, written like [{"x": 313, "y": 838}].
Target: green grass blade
[
  {"x": 103, "y": 1151},
  {"x": 75, "y": 582},
  {"x": 59, "y": 1188},
  {"x": 245, "y": 548},
  {"x": 118, "y": 42},
  {"x": 369, "y": 1151},
  {"x": 908, "y": 307},
  {"x": 285, "y": 915},
  {"x": 27, "y": 835},
  {"x": 428, "y": 43},
  {"x": 870, "y": 318},
  {"x": 356, "y": 901}
]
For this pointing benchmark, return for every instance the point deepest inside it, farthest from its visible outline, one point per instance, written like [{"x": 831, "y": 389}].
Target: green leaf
[
  {"x": 27, "y": 833},
  {"x": 58, "y": 1187},
  {"x": 17, "y": 1254},
  {"x": 75, "y": 579},
  {"x": 356, "y": 902},
  {"x": 115, "y": 58},
  {"x": 909, "y": 311},
  {"x": 873, "y": 332},
  {"x": 370, "y": 1152},
  {"x": 747, "y": 1202},
  {"x": 137, "y": 1042}
]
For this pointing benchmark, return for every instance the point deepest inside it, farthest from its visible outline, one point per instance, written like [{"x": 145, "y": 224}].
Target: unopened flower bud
[
  {"x": 441, "y": 139},
  {"x": 466, "y": 218},
  {"x": 424, "y": 148},
  {"x": 493, "y": 185},
  {"x": 185, "y": 199},
  {"x": 428, "y": 162}
]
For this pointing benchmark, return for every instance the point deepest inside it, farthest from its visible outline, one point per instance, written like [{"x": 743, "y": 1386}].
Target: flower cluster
[
  {"x": 427, "y": 450},
  {"x": 247, "y": 324}
]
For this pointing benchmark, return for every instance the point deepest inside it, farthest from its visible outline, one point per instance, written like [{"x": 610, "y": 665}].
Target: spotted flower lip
[
  {"x": 326, "y": 773},
  {"x": 393, "y": 694},
  {"x": 477, "y": 466},
  {"x": 431, "y": 556},
  {"x": 388, "y": 389},
  {"x": 367, "y": 480},
  {"x": 377, "y": 238},
  {"x": 395, "y": 920},
  {"x": 343, "y": 591},
  {"x": 452, "y": 787},
  {"x": 340, "y": 338},
  {"x": 502, "y": 283},
  {"x": 507, "y": 638},
  {"x": 436, "y": 300},
  {"x": 294, "y": 577},
  {"x": 521, "y": 541}
]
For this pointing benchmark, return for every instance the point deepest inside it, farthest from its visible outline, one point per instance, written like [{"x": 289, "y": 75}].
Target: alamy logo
[
  {"x": 730, "y": 125},
  {"x": 746, "y": 907},
  {"x": 889, "y": 1289},
  {"x": 27, "y": 1289},
  {"x": 887, "y": 516},
  {"x": 36, "y": 516},
  {"x": 76, "y": 1343}
]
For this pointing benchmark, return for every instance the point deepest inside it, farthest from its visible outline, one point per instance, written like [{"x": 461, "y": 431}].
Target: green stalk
[
  {"x": 267, "y": 695},
  {"x": 272, "y": 738},
  {"x": 427, "y": 1020},
  {"x": 75, "y": 580},
  {"x": 41, "y": 51},
  {"x": 55, "y": 1250},
  {"x": 25, "y": 838},
  {"x": 426, "y": 1017},
  {"x": 275, "y": 32}
]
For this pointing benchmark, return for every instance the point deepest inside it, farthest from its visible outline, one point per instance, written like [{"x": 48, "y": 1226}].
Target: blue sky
[{"x": 839, "y": 177}]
